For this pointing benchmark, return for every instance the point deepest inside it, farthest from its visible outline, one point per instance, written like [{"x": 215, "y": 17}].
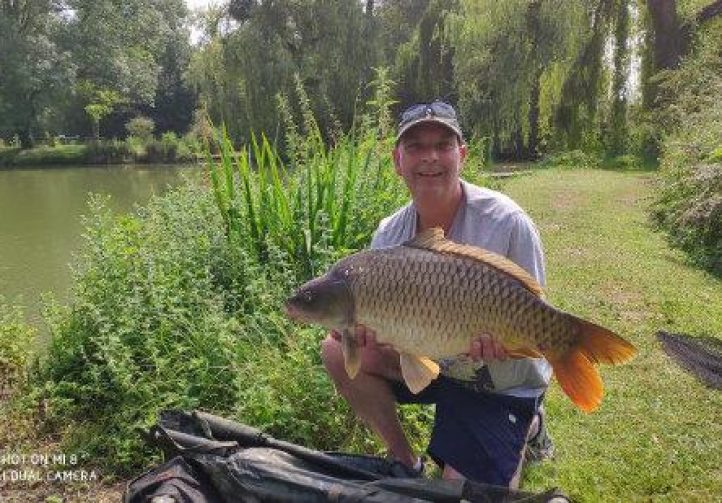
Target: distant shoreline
[{"x": 109, "y": 152}]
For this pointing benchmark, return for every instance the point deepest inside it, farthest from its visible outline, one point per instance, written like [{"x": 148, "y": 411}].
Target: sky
[{"x": 194, "y": 4}]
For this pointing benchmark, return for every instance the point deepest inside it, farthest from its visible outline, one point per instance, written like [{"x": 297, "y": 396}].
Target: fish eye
[{"x": 307, "y": 296}]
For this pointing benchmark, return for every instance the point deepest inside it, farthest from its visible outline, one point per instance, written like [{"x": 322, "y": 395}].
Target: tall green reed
[{"x": 326, "y": 201}]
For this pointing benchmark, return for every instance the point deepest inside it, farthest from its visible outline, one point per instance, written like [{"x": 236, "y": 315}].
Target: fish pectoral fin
[
  {"x": 524, "y": 352},
  {"x": 418, "y": 371},
  {"x": 351, "y": 353}
]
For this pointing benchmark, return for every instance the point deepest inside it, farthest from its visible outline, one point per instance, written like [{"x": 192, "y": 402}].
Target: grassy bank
[
  {"x": 168, "y": 149},
  {"x": 658, "y": 434},
  {"x": 172, "y": 316}
]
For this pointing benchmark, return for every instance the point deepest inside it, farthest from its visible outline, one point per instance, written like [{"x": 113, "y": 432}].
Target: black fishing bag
[{"x": 211, "y": 459}]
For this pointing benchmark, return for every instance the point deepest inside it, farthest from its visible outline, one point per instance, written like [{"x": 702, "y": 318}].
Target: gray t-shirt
[{"x": 493, "y": 221}]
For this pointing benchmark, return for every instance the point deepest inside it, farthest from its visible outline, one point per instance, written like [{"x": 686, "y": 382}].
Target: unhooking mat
[
  {"x": 211, "y": 459},
  {"x": 701, "y": 356}
]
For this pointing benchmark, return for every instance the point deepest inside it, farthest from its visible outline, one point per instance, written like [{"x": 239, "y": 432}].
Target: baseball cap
[{"x": 437, "y": 112}]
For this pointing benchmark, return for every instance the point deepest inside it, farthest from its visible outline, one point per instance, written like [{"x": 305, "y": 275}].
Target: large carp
[{"x": 430, "y": 297}]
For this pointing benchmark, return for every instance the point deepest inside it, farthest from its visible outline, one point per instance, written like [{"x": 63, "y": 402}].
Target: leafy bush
[
  {"x": 141, "y": 127},
  {"x": 137, "y": 147},
  {"x": 17, "y": 340},
  {"x": 108, "y": 151},
  {"x": 63, "y": 154},
  {"x": 572, "y": 159},
  {"x": 689, "y": 202},
  {"x": 715, "y": 155},
  {"x": 626, "y": 162}
]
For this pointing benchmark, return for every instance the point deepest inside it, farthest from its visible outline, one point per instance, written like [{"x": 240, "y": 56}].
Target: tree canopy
[{"x": 528, "y": 76}]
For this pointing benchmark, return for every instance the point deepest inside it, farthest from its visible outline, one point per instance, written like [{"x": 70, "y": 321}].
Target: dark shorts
[{"x": 481, "y": 435}]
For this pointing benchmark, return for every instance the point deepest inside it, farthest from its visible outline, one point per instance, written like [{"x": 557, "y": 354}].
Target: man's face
[{"x": 429, "y": 157}]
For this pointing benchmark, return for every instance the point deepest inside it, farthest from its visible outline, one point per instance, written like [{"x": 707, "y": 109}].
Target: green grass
[
  {"x": 61, "y": 154},
  {"x": 658, "y": 434}
]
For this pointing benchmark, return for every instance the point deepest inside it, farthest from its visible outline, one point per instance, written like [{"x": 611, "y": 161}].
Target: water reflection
[{"x": 40, "y": 220}]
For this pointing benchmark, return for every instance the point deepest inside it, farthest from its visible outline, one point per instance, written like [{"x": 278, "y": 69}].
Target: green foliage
[
  {"x": 170, "y": 148},
  {"x": 62, "y": 154},
  {"x": 17, "y": 343},
  {"x": 573, "y": 159},
  {"x": 716, "y": 155},
  {"x": 424, "y": 64},
  {"x": 108, "y": 152},
  {"x": 689, "y": 201},
  {"x": 306, "y": 210},
  {"x": 309, "y": 211},
  {"x": 325, "y": 44},
  {"x": 141, "y": 127},
  {"x": 507, "y": 58},
  {"x": 628, "y": 162},
  {"x": 35, "y": 71}
]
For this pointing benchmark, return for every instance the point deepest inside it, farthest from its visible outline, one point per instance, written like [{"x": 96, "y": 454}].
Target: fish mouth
[
  {"x": 296, "y": 314},
  {"x": 292, "y": 311}
]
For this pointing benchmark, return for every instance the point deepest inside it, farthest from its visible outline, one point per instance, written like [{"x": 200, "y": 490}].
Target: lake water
[{"x": 40, "y": 221}]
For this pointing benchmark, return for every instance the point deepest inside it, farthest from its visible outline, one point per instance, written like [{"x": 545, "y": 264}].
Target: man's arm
[{"x": 525, "y": 247}]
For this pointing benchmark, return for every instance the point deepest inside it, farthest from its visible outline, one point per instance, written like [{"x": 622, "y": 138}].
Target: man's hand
[{"x": 486, "y": 348}]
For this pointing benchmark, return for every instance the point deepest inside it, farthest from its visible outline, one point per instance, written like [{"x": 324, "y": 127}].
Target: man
[{"x": 486, "y": 405}]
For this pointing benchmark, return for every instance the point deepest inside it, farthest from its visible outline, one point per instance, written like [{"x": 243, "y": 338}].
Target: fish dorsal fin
[{"x": 434, "y": 240}]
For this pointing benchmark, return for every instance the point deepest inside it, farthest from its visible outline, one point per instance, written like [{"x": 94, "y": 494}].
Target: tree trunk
[
  {"x": 708, "y": 12},
  {"x": 369, "y": 8},
  {"x": 617, "y": 132},
  {"x": 577, "y": 108},
  {"x": 534, "y": 115},
  {"x": 667, "y": 35},
  {"x": 670, "y": 39},
  {"x": 26, "y": 138},
  {"x": 518, "y": 137},
  {"x": 96, "y": 129},
  {"x": 496, "y": 140}
]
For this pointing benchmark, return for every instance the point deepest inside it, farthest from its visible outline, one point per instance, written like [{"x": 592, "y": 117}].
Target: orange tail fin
[{"x": 575, "y": 369}]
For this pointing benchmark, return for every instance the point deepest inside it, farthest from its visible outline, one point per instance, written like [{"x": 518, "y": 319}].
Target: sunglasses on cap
[
  {"x": 436, "y": 112},
  {"x": 421, "y": 110}
]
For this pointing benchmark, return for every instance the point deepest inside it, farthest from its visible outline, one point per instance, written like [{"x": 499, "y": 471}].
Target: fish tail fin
[
  {"x": 575, "y": 369},
  {"x": 600, "y": 345}
]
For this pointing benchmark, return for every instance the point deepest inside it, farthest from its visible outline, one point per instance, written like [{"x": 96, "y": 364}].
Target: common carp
[{"x": 430, "y": 297}]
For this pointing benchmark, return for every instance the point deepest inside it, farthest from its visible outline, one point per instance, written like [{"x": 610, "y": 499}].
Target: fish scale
[{"x": 408, "y": 275}]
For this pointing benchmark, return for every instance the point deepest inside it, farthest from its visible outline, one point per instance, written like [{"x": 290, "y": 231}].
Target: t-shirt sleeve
[
  {"x": 525, "y": 248},
  {"x": 379, "y": 239}
]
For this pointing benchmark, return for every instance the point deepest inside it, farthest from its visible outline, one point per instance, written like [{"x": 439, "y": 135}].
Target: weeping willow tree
[
  {"x": 424, "y": 64},
  {"x": 508, "y": 60},
  {"x": 616, "y": 132},
  {"x": 256, "y": 48}
]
